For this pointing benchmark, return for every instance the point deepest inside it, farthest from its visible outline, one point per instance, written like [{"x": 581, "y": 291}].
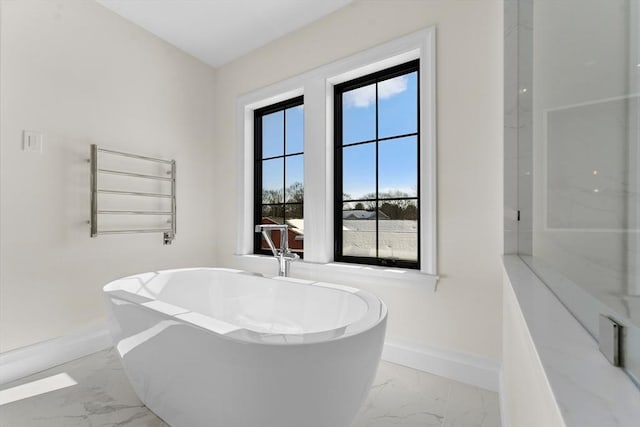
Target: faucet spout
[{"x": 284, "y": 256}]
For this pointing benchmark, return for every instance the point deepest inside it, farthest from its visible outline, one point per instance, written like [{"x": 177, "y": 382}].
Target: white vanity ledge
[
  {"x": 341, "y": 273},
  {"x": 587, "y": 389}
]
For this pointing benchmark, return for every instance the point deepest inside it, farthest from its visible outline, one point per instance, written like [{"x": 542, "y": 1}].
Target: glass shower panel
[{"x": 579, "y": 154}]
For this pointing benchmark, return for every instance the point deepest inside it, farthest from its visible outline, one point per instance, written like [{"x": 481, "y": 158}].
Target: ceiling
[{"x": 219, "y": 31}]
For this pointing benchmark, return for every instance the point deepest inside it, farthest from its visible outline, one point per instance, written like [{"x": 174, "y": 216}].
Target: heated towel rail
[{"x": 97, "y": 171}]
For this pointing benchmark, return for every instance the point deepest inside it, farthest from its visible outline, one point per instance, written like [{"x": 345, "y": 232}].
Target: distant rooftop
[{"x": 362, "y": 214}]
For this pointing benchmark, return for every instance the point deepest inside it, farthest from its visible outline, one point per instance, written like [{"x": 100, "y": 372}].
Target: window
[
  {"x": 377, "y": 177},
  {"x": 397, "y": 141},
  {"x": 279, "y": 172}
]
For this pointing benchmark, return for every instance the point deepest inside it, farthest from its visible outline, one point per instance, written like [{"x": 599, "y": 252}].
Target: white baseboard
[
  {"x": 466, "y": 368},
  {"x": 29, "y": 360}
]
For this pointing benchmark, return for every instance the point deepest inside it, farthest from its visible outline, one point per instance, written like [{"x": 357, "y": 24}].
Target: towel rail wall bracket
[{"x": 168, "y": 233}]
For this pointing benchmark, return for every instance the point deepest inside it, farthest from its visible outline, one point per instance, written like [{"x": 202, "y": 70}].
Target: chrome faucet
[{"x": 284, "y": 256}]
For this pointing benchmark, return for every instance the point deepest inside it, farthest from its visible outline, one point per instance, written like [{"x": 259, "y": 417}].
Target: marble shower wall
[
  {"x": 518, "y": 152},
  {"x": 572, "y": 114}
]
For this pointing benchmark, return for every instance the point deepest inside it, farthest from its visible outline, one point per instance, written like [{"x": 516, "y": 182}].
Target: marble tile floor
[{"x": 102, "y": 397}]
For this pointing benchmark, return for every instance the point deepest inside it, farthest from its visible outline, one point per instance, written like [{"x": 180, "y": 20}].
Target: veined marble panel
[
  {"x": 510, "y": 127},
  {"x": 402, "y": 396},
  {"x": 103, "y": 397}
]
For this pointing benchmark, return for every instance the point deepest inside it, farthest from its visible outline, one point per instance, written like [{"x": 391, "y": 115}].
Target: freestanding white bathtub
[{"x": 213, "y": 347}]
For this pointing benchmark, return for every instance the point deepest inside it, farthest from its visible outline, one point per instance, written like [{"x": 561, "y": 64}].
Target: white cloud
[
  {"x": 388, "y": 88},
  {"x": 360, "y": 98},
  {"x": 365, "y": 96}
]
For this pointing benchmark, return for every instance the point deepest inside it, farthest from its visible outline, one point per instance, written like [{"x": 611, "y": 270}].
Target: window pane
[
  {"x": 398, "y": 230},
  {"x": 273, "y": 134},
  {"x": 359, "y": 172},
  {"x": 273, "y": 181},
  {"x": 272, "y": 214},
  {"x": 359, "y": 229},
  {"x": 294, "y": 212},
  {"x": 359, "y": 115},
  {"x": 398, "y": 168},
  {"x": 294, "y": 218},
  {"x": 398, "y": 104},
  {"x": 294, "y": 129},
  {"x": 295, "y": 178}
]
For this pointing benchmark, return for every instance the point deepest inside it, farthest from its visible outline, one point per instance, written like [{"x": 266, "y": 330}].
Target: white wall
[
  {"x": 464, "y": 314},
  {"x": 81, "y": 74}
]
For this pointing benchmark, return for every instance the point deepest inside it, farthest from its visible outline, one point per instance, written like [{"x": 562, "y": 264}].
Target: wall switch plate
[
  {"x": 32, "y": 141},
  {"x": 609, "y": 339}
]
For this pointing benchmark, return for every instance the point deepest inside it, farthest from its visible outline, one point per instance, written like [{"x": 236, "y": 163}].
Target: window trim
[
  {"x": 339, "y": 89},
  {"x": 257, "y": 171},
  {"x": 317, "y": 87}
]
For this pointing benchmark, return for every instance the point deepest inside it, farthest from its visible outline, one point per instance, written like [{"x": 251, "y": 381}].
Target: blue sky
[
  {"x": 397, "y": 115},
  {"x": 273, "y": 141}
]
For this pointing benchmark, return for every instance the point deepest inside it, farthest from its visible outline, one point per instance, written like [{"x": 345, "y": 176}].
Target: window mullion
[
  {"x": 258, "y": 200},
  {"x": 377, "y": 179},
  {"x": 284, "y": 166}
]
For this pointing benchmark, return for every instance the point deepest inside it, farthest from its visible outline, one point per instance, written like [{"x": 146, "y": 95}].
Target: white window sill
[{"x": 341, "y": 273}]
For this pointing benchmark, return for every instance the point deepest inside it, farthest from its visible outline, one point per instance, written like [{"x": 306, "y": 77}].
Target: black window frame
[
  {"x": 257, "y": 169},
  {"x": 339, "y": 90}
]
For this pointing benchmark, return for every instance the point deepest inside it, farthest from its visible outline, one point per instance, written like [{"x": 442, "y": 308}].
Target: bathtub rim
[{"x": 364, "y": 324}]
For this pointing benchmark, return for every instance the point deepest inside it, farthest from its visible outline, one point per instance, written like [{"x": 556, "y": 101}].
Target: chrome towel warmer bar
[{"x": 168, "y": 233}]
